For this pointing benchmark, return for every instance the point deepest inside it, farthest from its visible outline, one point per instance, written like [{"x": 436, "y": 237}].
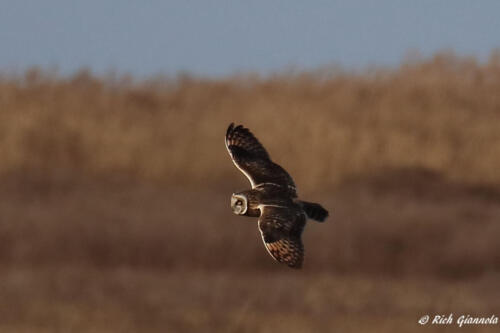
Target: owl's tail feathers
[{"x": 314, "y": 211}]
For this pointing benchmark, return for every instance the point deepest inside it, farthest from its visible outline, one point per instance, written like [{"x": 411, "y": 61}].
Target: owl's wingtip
[
  {"x": 229, "y": 129},
  {"x": 297, "y": 266}
]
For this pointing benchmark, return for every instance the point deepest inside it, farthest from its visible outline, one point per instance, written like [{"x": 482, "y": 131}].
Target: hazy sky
[{"x": 223, "y": 37}]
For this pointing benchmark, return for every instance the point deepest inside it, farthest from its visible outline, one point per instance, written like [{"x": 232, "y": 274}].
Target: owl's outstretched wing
[
  {"x": 281, "y": 228},
  {"x": 251, "y": 158}
]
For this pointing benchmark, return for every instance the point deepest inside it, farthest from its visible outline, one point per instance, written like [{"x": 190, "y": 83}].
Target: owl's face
[{"x": 239, "y": 204}]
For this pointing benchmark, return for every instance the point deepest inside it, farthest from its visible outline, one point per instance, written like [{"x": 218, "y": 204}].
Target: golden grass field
[{"x": 114, "y": 204}]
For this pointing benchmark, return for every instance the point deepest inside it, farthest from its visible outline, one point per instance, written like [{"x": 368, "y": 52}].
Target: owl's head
[{"x": 239, "y": 203}]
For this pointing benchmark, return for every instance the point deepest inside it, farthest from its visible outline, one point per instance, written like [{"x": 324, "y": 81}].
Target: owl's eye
[{"x": 238, "y": 203}]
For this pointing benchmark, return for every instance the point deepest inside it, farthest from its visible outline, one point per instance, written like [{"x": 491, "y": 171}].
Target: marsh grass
[
  {"x": 441, "y": 114},
  {"x": 114, "y": 199}
]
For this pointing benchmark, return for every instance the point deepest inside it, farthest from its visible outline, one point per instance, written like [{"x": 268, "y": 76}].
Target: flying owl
[{"x": 273, "y": 198}]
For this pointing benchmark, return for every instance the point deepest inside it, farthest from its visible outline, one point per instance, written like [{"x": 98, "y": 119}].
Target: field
[{"x": 114, "y": 204}]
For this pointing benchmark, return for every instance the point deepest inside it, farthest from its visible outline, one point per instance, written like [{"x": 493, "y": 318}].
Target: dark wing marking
[
  {"x": 241, "y": 138},
  {"x": 281, "y": 228},
  {"x": 251, "y": 158}
]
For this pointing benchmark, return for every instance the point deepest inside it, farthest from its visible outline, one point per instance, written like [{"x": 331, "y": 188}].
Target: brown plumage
[{"x": 273, "y": 198}]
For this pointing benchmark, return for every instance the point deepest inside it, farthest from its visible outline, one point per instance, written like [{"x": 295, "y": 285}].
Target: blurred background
[{"x": 115, "y": 181}]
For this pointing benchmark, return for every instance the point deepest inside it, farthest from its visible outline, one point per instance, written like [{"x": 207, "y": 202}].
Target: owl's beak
[{"x": 233, "y": 205}]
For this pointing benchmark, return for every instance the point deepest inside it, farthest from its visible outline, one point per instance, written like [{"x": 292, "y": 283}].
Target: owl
[{"x": 272, "y": 198}]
